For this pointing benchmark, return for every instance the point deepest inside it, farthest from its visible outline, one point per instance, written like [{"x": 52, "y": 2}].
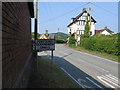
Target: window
[
  {"x": 90, "y": 33},
  {"x": 79, "y": 22}
]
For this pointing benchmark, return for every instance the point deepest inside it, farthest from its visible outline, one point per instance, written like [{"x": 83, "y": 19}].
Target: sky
[{"x": 54, "y": 15}]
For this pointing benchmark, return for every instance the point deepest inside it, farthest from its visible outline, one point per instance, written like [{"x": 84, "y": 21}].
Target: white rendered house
[
  {"x": 104, "y": 31},
  {"x": 77, "y": 25}
]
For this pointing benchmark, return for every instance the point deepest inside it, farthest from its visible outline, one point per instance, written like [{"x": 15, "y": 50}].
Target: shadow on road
[{"x": 79, "y": 76}]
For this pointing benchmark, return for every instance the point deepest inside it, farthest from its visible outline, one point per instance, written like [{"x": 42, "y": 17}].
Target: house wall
[
  {"x": 105, "y": 32},
  {"x": 16, "y": 44},
  {"x": 73, "y": 28},
  {"x": 92, "y": 28},
  {"x": 79, "y": 26}
]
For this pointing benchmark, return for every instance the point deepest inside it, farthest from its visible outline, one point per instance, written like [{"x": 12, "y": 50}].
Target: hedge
[
  {"x": 105, "y": 44},
  {"x": 60, "y": 41}
]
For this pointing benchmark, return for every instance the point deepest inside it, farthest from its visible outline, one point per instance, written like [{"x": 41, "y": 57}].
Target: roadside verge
[{"x": 45, "y": 77}]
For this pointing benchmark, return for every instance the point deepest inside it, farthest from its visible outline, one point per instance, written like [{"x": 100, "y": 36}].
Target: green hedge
[
  {"x": 107, "y": 44},
  {"x": 61, "y": 41}
]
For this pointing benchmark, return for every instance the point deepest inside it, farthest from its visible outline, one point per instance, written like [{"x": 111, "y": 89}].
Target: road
[{"x": 86, "y": 70}]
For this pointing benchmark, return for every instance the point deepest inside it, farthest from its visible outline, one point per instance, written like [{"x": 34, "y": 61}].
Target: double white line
[{"x": 110, "y": 80}]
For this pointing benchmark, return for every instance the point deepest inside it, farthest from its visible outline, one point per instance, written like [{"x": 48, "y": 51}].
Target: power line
[
  {"x": 59, "y": 16},
  {"x": 104, "y": 9}
]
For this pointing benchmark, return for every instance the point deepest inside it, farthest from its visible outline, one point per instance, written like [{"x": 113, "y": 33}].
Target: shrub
[
  {"x": 61, "y": 41},
  {"x": 72, "y": 39},
  {"x": 102, "y": 43}
]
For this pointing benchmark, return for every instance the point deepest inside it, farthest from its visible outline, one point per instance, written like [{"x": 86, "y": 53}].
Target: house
[
  {"x": 46, "y": 36},
  {"x": 77, "y": 25},
  {"x": 104, "y": 31}
]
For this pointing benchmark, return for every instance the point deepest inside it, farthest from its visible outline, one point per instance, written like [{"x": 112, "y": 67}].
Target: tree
[
  {"x": 87, "y": 29},
  {"x": 72, "y": 39}
]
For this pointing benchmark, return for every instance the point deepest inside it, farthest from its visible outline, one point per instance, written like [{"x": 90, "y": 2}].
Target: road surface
[{"x": 86, "y": 70}]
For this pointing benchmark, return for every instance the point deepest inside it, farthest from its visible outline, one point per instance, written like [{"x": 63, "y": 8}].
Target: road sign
[{"x": 45, "y": 44}]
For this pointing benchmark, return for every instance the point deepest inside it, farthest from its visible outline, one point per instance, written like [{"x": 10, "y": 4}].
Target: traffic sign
[{"x": 45, "y": 44}]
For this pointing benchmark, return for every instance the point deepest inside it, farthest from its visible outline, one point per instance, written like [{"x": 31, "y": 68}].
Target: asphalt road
[{"x": 86, "y": 70}]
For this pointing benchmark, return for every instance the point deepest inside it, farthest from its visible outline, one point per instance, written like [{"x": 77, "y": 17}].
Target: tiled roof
[
  {"x": 97, "y": 31},
  {"x": 75, "y": 19}
]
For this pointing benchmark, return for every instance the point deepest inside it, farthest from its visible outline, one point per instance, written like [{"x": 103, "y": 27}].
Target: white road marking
[
  {"x": 112, "y": 78},
  {"x": 72, "y": 77},
  {"x": 109, "y": 79},
  {"x": 100, "y": 78},
  {"x": 82, "y": 80},
  {"x": 94, "y": 82}
]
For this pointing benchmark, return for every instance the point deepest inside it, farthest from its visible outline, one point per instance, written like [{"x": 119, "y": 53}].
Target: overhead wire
[
  {"x": 59, "y": 16},
  {"x": 104, "y": 9}
]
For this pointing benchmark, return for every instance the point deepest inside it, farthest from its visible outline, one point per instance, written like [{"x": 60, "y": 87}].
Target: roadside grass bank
[
  {"x": 46, "y": 77},
  {"x": 104, "y": 55}
]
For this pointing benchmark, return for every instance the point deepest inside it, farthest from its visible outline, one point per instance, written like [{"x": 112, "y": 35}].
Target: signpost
[{"x": 45, "y": 45}]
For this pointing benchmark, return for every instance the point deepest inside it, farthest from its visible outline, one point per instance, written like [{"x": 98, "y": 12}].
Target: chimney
[
  {"x": 46, "y": 31},
  {"x": 46, "y": 34},
  {"x": 72, "y": 19},
  {"x": 84, "y": 9},
  {"x": 105, "y": 27}
]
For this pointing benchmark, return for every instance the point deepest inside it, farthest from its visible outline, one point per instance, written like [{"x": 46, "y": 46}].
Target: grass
[
  {"x": 104, "y": 55},
  {"x": 44, "y": 77}
]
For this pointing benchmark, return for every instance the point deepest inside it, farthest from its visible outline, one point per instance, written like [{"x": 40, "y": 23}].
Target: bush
[
  {"x": 102, "y": 43},
  {"x": 72, "y": 40},
  {"x": 61, "y": 41}
]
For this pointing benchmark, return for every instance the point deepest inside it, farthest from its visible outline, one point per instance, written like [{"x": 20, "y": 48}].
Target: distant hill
[
  {"x": 60, "y": 35},
  {"x": 38, "y": 35}
]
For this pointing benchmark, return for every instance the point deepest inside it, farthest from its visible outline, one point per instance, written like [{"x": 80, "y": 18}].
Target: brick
[{"x": 16, "y": 40}]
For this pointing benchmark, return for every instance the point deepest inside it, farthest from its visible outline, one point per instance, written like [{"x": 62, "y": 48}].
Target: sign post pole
[
  {"x": 44, "y": 45},
  {"x": 52, "y": 60}
]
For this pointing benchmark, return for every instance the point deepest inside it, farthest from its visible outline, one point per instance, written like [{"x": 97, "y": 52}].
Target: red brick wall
[{"x": 16, "y": 40}]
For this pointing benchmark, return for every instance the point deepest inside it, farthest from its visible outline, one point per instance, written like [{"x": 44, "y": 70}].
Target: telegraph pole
[
  {"x": 36, "y": 19},
  {"x": 58, "y": 33},
  {"x": 35, "y": 33}
]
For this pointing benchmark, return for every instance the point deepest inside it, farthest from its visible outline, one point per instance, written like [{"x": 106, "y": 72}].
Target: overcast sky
[{"x": 54, "y": 15}]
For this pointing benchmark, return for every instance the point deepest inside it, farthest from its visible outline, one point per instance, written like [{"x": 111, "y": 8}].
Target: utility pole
[
  {"x": 35, "y": 33},
  {"x": 90, "y": 13},
  {"x": 36, "y": 19},
  {"x": 58, "y": 33}
]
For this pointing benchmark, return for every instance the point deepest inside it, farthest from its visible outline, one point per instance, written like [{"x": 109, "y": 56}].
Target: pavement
[{"x": 88, "y": 71}]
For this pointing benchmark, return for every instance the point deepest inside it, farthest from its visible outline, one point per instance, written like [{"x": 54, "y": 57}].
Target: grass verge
[
  {"x": 44, "y": 77},
  {"x": 104, "y": 55}
]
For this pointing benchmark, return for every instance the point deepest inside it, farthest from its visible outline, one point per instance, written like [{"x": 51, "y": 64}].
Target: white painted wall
[
  {"x": 105, "y": 32},
  {"x": 92, "y": 28},
  {"x": 74, "y": 27}
]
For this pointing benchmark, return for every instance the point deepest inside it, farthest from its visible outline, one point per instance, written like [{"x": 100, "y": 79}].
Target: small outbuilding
[{"x": 104, "y": 31}]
